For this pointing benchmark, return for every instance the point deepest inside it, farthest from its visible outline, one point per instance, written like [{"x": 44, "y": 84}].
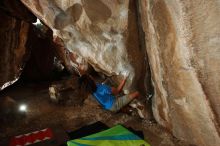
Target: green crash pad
[{"x": 115, "y": 136}]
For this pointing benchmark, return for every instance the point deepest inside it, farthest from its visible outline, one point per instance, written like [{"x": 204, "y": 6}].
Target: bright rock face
[
  {"x": 102, "y": 32},
  {"x": 183, "y": 46}
]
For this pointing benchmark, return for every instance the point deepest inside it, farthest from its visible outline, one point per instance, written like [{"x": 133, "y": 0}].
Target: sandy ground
[{"x": 43, "y": 113}]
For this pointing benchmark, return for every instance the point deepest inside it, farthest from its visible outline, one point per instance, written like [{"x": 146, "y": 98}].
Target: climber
[{"x": 105, "y": 94}]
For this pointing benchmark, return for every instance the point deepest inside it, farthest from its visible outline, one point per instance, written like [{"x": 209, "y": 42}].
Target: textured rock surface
[
  {"x": 72, "y": 61},
  {"x": 13, "y": 36},
  {"x": 102, "y": 32},
  {"x": 183, "y": 39},
  {"x": 16, "y": 9}
]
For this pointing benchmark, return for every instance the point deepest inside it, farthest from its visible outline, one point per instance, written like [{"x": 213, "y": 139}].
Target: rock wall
[
  {"x": 17, "y": 10},
  {"x": 13, "y": 36},
  {"x": 103, "y": 33},
  {"x": 14, "y": 29},
  {"x": 183, "y": 46}
]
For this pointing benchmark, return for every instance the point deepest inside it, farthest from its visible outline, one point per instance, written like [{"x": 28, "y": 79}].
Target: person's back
[{"x": 104, "y": 96}]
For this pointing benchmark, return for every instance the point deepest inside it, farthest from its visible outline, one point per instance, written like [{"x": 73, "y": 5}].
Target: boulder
[
  {"x": 103, "y": 33},
  {"x": 73, "y": 62},
  {"x": 183, "y": 46}
]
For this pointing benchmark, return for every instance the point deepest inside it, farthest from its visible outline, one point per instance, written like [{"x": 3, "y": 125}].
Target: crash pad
[{"x": 115, "y": 136}]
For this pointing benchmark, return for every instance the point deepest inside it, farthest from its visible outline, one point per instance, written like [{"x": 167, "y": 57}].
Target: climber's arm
[{"x": 116, "y": 91}]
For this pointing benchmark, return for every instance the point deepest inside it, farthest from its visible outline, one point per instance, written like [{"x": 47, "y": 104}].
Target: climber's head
[{"x": 87, "y": 83}]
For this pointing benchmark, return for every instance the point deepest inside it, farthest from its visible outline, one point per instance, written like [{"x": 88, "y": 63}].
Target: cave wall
[
  {"x": 13, "y": 36},
  {"x": 183, "y": 46},
  {"x": 103, "y": 33},
  {"x": 14, "y": 29},
  {"x": 40, "y": 63},
  {"x": 17, "y": 10}
]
